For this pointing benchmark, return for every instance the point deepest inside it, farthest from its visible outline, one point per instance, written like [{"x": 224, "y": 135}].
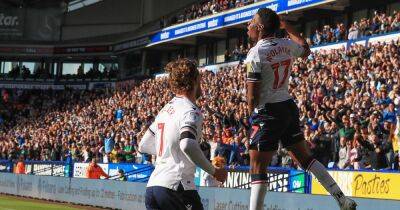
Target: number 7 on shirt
[{"x": 161, "y": 128}]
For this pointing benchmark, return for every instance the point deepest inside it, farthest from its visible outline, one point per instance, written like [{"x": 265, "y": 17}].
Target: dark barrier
[
  {"x": 6, "y": 166},
  {"x": 279, "y": 179},
  {"x": 44, "y": 168}
]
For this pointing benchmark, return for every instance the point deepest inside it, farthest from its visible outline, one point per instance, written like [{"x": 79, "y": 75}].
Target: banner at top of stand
[{"x": 233, "y": 17}]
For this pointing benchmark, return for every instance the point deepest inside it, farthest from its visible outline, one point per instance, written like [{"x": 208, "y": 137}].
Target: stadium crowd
[
  {"x": 349, "y": 103},
  {"x": 379, "y": 23},
  {"x": 209, "y": 8}
]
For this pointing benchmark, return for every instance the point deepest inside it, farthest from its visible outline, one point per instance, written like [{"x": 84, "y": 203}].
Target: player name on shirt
[{"x": 277, "y": 51}]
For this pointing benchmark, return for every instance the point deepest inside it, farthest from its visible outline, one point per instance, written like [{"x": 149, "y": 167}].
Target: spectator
[
  {"x": 236, "y": 53},
  {"x": 129, "y": 151},
  {"x": 344, "y": 153},
  {"x": 227, "y": 56},
  {"x": 355, "y": 156},
  {"x": 354, "y": 32},
  {"x": 119, "y": 114},
  {"x": 389, "y": 114},
  {"x": 121, "y": 175},
  {"x": 213, "y": 146},
  {"x": 395, "y": 25},
  {"x": 377, "y": 152},
  {"x": 20, "y": 167},
  {"x": 80, "y": 71},
  {"x": 286, "y": 160},
  {"x": 94, "y": 171},
  {"x": 236, "y": 149},
  {"x": 109, "y": 142},
  {"x": 317, "y": 38}
]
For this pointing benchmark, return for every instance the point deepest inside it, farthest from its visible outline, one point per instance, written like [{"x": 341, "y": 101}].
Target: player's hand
[{"x": 220, "y": 174}]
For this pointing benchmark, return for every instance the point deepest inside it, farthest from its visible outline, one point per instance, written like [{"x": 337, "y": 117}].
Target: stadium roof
[{"x": 78, "y": 4}]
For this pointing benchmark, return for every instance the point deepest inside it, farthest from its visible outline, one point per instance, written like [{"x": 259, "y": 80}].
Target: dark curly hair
[
  {"x": 269, "y": 19},
  {"x": 183, "y": 74}
]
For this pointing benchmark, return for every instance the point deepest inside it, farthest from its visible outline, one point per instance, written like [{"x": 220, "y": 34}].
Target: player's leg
[
  {"x": 164, "y": 199},
  {"x": 258, "y": 171},
  {"x": 266, "y": 129},
  {"x": 294, "y": 141},
  {"x": 300, "y": 152}
]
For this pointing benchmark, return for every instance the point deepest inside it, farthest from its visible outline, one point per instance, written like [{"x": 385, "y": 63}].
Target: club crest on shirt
[
  {"x": 191, "y": 119},
  {"x": 194, "y": 116}
]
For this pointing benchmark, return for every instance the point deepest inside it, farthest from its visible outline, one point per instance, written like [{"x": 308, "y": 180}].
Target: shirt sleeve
[
  {"x": 190, "y": 133},
  {"x": 153, "y": 128},
  {"x": 191, "y": 125},
  {"x": 148, "y": 143},
  {"x": 253, "y": 65},
  {"x": 296, "y": 50}
]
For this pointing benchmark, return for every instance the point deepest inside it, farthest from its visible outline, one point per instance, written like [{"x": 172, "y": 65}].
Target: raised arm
[{"x": 296, "y": 37}]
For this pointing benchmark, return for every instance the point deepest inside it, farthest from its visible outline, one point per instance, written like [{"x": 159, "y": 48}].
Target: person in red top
[
  {"x": 94, "y": 171},
  {"x": 20, "y": 167}
]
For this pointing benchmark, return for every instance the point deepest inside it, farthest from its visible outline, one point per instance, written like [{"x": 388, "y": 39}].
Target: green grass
[{"x": 14, "y": 203}]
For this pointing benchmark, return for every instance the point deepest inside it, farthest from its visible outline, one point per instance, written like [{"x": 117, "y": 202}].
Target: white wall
[{"x": 131, "y": 195}]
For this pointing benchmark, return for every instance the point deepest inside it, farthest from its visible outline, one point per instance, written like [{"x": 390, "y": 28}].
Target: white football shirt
[
  {"x": 270, "y": 62},
  {"x": 172, "y": 167}
]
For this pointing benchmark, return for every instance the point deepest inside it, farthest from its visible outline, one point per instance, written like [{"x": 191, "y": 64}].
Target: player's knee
[{"x": 306, "y": 162}]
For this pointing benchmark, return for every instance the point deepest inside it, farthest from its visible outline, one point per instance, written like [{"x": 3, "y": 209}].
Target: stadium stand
[
  {"x": 380, "y": 23},
  {"x": 82, "y": 80},
  {"x": 211, "y": 7},
  {"x": 347, "y": 100}
]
